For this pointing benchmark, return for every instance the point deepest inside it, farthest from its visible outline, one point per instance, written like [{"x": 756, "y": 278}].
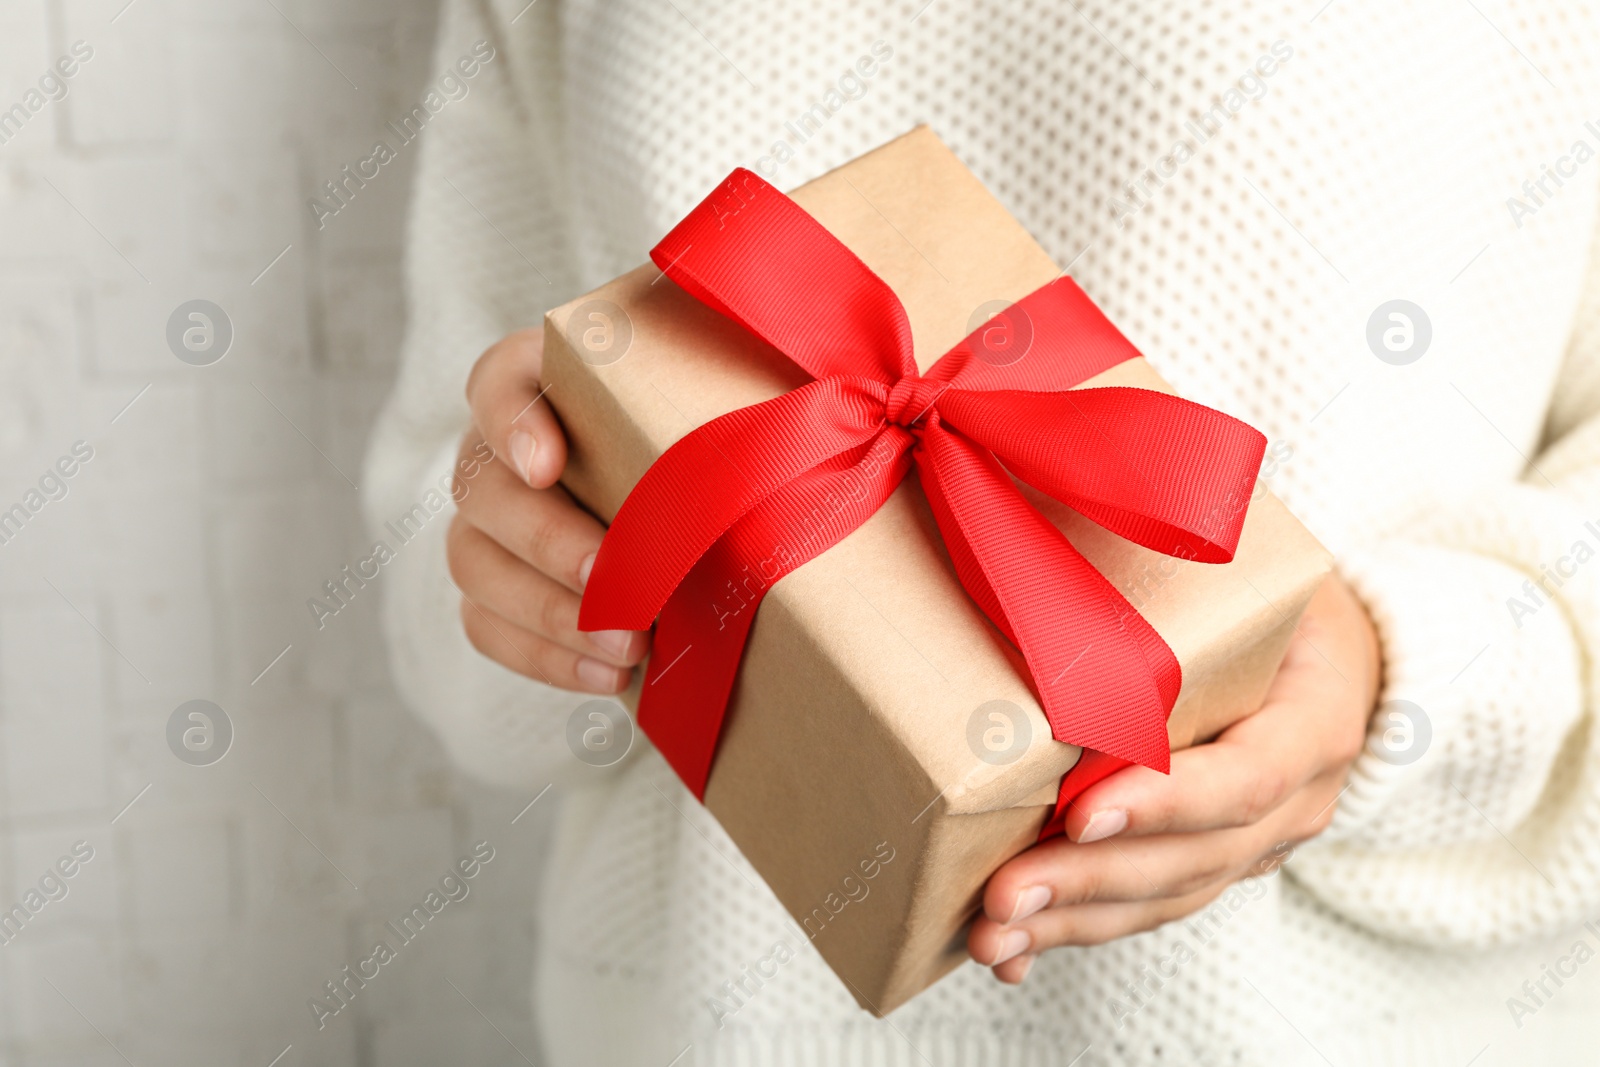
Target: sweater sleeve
[
  {"x": 1473, "y": 816},
  {"x": 486, "y": 255}
]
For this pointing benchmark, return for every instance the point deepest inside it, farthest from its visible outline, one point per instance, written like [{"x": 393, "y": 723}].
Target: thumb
[{"x": 510, "y": 410}]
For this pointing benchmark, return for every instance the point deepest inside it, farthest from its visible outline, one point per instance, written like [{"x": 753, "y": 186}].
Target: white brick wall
[{"x": 178, "y": 564}]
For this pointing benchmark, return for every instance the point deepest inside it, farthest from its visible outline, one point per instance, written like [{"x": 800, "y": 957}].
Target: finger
[
  {"x": 1236, "y": 780},
  {"x": 542, "y": 527},
  {"x": 1060, "y": 873},
  {"x": 1014, "y": 970},
  {"x": 539, "y": 658},
  {"x": 508, "y": 588},
  {"x": 1006, "y": 948},
  {"x": 509, "y": 409}
]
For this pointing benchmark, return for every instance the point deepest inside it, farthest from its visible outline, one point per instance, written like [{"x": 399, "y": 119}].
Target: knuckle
[
  {"x": 1215, "y": 867},
  {"x": 1196, "y": 879},
  {"x": 1082, "y": 885},
  {"x": 556, "y": 616},
  {"x": 466, "y": 501},
  {"x": 1319, "y": 822},
  {"x": 459, "y": 487},
  {"x": 1348, "y": 745},
  {"x": 456, "y": 552},
  {"x": 504, "y": 355},
  {"x": 1152, "y": 917},
  {"x": 1160, "y": 811},
  {"x": 1090, "y": 936},
  {"x": 540, "y": 531},
  {"x": 1170, "y": 910},
  {"x": 1262, "y": 794},
  {"x": 472, "y": 626},
  {"x": 480, "y": 368}
]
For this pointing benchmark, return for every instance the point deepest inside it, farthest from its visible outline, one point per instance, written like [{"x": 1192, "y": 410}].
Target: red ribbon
[{"x": 754, "y": 494}]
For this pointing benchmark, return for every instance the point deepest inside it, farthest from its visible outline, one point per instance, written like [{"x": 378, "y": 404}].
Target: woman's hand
[
  {"x": 519, "y": 548},
  {"x": 1144, "y": 848}
]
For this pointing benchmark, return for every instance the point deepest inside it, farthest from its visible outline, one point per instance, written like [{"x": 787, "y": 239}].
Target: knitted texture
[{"x": 1372, "y": 163}]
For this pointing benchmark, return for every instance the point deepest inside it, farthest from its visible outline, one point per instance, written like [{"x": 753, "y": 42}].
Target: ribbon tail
[
  {"x": 1095, "y": 766},
  {"x": 1105, "y": 680},
  {"x": 705, "y": 624},
  {"x": 699, "y": 642}
]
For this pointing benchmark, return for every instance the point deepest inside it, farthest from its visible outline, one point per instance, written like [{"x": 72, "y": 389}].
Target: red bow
[{"x": 750, "y": 496}]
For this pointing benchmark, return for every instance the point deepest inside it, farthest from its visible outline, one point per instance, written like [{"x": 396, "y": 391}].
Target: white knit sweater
[{"x": 1369, "y": 151}]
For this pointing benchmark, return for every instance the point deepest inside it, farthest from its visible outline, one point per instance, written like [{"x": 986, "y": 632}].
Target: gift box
[{"x": 886, "y": 745}]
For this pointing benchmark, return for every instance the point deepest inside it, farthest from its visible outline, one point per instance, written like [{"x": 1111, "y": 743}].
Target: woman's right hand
[{"x": 519, "y": 548}]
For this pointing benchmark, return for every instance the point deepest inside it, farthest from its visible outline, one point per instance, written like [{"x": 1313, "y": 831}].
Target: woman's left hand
[{"x": 1143, "y": 848}]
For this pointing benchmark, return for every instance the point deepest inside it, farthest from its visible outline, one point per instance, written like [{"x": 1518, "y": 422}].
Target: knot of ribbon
[
  {"x": 911, "y": 398},
  {"x": 750, "y": 496}
]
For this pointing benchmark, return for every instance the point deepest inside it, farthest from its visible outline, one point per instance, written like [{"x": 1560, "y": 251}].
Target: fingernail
[
  {"x": 1027, "y": 965},
  {"x": 584, "y": 568},
  {"x": 616, "y": 642},
  {"x": 1012, "y": 943},
  {"x": 1104, "y": 824},
  {"x": 522, "y": 449},
  {"x": 601, "y": 677},
  {"x": 1029, "y": 901}
]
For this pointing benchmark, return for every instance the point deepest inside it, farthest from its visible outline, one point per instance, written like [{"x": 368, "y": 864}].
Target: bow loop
[
  {"x": 751, "y": 253},
  {"x": 1125, "y": 459},
  {"x": 705, "y": 482},
  {"x": 1053, "y": 339}
]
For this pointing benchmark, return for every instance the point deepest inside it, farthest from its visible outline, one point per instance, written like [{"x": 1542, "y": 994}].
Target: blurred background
[{"x": 231, "y": 876}]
